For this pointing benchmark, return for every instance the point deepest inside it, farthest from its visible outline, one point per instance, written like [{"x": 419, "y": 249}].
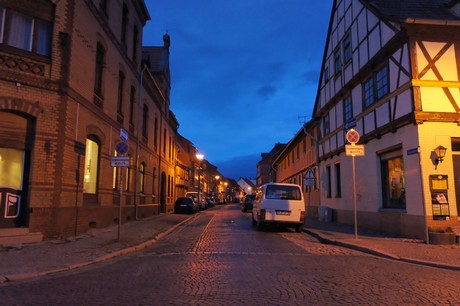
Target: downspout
[{"x": 136, "y": 180}]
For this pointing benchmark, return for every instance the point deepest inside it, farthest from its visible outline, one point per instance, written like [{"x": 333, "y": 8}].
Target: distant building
[
  {"x": 247, "y": 186},
  {"x": 297, "y": 164},
  {"x": 265, "y": 173}
]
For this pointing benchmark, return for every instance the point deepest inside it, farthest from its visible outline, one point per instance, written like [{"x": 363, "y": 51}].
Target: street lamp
[
  {"x": 217, "y": 177},
  {"x": 200, "y": 158}
]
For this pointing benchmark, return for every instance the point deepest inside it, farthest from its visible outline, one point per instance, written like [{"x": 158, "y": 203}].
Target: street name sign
[
  {"x": 354, "y": 150},
  {"x": 119, "y": 161}
]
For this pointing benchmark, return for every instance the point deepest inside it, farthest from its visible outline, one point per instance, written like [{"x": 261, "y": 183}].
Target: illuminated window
[
  {"x": 91, "y": 166},
  {"x": 11, "y": 168},
  {"x": 116, "y": 174},
  {"x": 142, "y": 178},
  {"x": 393, "y": 180}
]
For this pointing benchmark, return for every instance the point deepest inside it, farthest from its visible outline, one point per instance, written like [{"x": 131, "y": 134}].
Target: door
[{"x": 16, "y": 133}]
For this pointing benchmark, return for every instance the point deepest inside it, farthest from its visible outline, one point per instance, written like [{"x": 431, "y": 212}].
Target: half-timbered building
[{"x": 391, "y": 72}]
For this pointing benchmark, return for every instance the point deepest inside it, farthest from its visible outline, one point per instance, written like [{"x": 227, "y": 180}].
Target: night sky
[{"x": 244, "y": 73}]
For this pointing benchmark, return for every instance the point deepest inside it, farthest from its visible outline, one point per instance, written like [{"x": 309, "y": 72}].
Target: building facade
[
  {"x": 297, "y": 164},
  {"x": 391, "y": 72},
  {"x": 73, "y": 85}
]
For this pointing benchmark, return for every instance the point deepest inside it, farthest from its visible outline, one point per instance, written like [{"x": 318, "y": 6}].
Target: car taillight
[{"x": 302, "y": 216}]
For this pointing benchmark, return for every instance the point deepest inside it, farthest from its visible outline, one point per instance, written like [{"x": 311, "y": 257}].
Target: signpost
[
  {"x": 354, "y": 150},
  {"x": 309, "y": 181},
  {"x": 121, "y": 161}
]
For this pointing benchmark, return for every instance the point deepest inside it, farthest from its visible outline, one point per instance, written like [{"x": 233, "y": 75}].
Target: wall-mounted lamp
[{"x": 440, "y": 152}]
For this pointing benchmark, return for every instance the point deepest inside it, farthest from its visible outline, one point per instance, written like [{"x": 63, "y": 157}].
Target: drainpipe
[{"x": 136, "y": 180}]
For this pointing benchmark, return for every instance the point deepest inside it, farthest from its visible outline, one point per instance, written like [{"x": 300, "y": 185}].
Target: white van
[{"x": 279, "y": 204}]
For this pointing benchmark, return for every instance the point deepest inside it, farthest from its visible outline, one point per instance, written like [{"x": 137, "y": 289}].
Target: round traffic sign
[
  {"x": 352, "y": 136},
  {"x": 122, "y": 148}
]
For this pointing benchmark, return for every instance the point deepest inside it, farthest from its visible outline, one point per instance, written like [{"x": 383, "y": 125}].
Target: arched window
[{"x": 91, "y": 165}]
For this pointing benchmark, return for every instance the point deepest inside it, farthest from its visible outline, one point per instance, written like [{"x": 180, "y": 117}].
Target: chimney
[{"x": 166, "y": 41}]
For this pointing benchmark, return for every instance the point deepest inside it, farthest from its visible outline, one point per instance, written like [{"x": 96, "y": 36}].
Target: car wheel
[
  {"x": 299, "y": 228},
  {"x": 254, "y": 222}
]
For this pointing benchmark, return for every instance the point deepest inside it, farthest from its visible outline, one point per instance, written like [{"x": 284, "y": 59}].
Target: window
[
  {"x": 338, "y": 181},
  {"x": 124, "y": 23},
  {"x": 164, "y": 141},
  {"x": 145, "y": 120},
  {"x": 382, "y": 82},
  {"x": 376, "y": 87},
  {"x": 347, "y": 109},
  {"x": 135, "y": 42},
  {"x": 100, "y": 54},
  {"x": 132, "y": 101},
  {"x": 326, "y": 124},
  {"x": 393, "y": 180},
  {"x": 103, "y": 5},
  {"x": 280, "y": 192},
  {"x": 91, "y": 166},
  {"x": 337, "y": 61},
  {"x": 328, "y": 182},
  {"x": 25, "y": 32},
  {"x": 116, "y": 174},
  {"x": 121, "y": 82},
  {"x": 155, "y": 135},
  {"x": 142, "y": 178},
  {"x": 347, "y": 55},
  {"x": 369, "y": 93}
]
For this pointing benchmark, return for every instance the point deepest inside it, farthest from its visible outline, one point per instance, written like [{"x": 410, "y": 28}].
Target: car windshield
[{"x": 283, "y": 192}]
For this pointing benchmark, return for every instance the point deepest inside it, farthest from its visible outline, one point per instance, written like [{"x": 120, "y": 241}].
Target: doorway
[{"x": 16, "y": 137}]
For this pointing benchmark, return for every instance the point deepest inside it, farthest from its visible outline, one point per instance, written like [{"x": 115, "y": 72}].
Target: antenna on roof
[{"x": 302, "y": 119}]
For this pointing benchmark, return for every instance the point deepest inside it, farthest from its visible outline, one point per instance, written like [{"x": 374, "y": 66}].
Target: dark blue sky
[{"x": 242, "y": 71}]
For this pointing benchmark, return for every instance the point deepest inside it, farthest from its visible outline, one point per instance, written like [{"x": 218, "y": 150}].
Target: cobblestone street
[{"x": 218, "y": 258}]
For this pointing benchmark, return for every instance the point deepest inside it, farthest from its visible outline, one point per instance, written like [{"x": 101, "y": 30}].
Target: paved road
[{"x": 220, "y": 259}]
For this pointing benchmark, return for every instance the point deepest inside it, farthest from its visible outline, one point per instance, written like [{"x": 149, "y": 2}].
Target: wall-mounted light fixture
[{"x": 440, "y": 152}]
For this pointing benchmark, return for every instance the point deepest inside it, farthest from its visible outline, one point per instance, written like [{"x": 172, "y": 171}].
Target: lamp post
[
  {"x": 200, "y": 158},
  {"x": 217, "y": 177}
]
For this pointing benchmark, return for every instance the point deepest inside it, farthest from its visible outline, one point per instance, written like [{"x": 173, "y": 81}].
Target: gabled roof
[
  {"x": 272, "y": 155},
  {"x": 407, "y": 10},
  {"x": 434, "y": 12}
]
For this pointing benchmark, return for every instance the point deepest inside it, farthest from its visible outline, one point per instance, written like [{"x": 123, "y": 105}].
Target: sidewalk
[{"x": 34, "y": 260}]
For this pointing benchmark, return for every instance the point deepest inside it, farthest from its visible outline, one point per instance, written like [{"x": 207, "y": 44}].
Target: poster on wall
[{"x": 439, "y": 198}]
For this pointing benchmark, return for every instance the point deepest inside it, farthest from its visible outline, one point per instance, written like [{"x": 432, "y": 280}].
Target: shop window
[
  {"x": 91, "y": 166},
  {"x": 393, "y": 180}
]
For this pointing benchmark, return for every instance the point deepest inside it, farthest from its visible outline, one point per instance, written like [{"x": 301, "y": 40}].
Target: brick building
[{"x": 73, "y": 76}]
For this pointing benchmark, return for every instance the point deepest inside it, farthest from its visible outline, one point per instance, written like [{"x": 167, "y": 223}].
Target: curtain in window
[
  {"x": 44, "y": 38},
  {"x": 19, "y": 31}
]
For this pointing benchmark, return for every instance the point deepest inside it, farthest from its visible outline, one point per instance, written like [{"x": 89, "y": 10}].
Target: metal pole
[
  {"x": 354, "y": 197},
  {"x": 425, "y": 225},
  {"x": 119, "y": 208}
]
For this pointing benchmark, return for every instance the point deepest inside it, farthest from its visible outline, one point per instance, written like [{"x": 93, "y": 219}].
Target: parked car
[
  {"x": 185, "y": 205},
  {"x": 248, "y": 202},
  {"x": 210, "y": 202},
  {"x": 277, "y": 203},
  {"x": 201, "y": 205}
]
